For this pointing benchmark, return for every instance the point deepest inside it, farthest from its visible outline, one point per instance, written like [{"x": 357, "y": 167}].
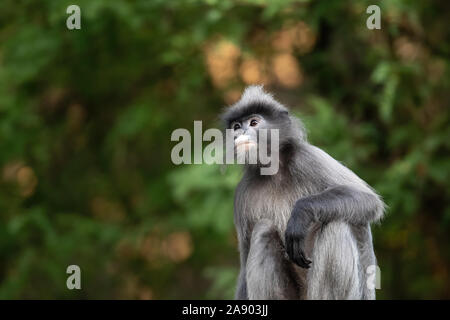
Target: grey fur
[
  {"x": 313, "y": 207},
  {"x": 266, "y": 257}
]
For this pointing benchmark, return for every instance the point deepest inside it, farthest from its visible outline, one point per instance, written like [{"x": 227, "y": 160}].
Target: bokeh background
[{"x": 86, "y": 118}]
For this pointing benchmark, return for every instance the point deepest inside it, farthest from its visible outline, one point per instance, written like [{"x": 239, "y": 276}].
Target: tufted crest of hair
[{"x": 255, "y": 100}]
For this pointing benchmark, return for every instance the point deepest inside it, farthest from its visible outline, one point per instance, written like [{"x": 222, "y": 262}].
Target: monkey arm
[
  {"x": 241, "y": 289},
  {"x": 346, "y": 203},
  {"x": 243, "y": 235},
  {"x": 342, "y": 202}
]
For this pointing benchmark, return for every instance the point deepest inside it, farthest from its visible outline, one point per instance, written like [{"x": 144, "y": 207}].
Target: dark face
[
  {"x": 245, "y": 132},
  {"x": 249, "y": 116},
  {"x": 249, "y": 140}
]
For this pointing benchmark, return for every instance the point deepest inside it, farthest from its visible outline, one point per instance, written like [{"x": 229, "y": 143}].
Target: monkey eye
[
  {"x": 253, "y": 123},
  {"x": 236, "y": 126}
]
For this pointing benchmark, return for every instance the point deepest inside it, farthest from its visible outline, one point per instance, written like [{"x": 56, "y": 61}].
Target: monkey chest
[{"x": 275, "y": 207}]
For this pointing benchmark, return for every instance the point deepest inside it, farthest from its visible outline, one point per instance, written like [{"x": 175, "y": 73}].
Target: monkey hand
[{"x": 295, "y": 235}]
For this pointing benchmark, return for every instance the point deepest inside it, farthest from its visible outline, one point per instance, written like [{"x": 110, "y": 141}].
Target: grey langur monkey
[{"x": 304, "y": 232}]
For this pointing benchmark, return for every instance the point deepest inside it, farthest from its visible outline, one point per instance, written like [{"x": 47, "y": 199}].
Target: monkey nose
[{"x": 242, "y": 139}]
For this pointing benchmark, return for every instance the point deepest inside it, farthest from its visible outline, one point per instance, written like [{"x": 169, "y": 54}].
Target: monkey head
[{"x": 257, "y": 110}]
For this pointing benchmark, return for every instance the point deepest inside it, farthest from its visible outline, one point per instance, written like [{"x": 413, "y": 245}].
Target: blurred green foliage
[{"x": 86, "y": 118}]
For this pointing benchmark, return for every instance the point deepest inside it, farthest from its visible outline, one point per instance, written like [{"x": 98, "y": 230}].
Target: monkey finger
[
  {"x": 302, "y": 264},
  {"x": 289, "y": 250},
  {"x": 302, "y": 253},
  {"x": 306, "y": 260},
  {"x": 292, "y": 253},
  {"x": 299, "y": 256}
]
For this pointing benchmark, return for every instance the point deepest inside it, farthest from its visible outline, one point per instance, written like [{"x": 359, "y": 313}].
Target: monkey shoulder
[{"x": 328, "y": 172}]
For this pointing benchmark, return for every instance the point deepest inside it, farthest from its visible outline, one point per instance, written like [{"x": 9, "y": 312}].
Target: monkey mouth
[
  {"x": 245, "y": 145},
  {"x": 244, "y": 141}
]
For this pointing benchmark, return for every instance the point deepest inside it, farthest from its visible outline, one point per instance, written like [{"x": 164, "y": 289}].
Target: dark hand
[{"x": 296, "y": 230}]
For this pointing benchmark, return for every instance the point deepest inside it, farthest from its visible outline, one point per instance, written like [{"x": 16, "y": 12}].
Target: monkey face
[
  {"x": 264, "y": 131},
  {"x": 247, "y": 141},
  {"x": 245, "y": 131}
]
